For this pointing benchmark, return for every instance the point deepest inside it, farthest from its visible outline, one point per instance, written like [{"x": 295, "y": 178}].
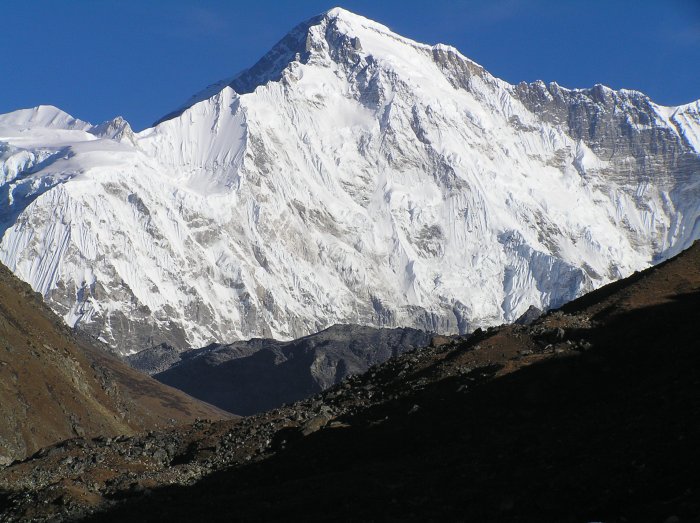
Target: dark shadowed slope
[
  {"x": 54, "y": 385},
  {"x": 592, "y": 413},
  {"x": 247, "y": 377}
]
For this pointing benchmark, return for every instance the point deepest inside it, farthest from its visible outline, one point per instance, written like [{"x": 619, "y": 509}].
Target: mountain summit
[{"x": 350, "y": 176}]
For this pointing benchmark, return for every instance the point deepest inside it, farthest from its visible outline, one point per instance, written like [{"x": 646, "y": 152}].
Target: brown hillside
[{"x": 55, "y": 385}]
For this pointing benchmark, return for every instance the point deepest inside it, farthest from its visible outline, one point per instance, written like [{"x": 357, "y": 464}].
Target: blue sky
[{"x": 140, "y": 59}]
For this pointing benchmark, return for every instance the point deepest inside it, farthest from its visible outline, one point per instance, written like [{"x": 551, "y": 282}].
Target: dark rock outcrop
[
  {"x": 247, "y": 377},
  {"x": 529, "y": 316}
]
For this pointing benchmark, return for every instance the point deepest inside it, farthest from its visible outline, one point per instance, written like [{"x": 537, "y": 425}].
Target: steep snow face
[{"x": 350, "y": 176}]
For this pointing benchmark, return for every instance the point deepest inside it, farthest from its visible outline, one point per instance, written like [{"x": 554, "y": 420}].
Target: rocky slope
[
  {"x": 589, "y": 414},
  {"x": 55, "y": 385},
  {"x": 248, "y": 377},
  {"x": 350, "y": 176}
]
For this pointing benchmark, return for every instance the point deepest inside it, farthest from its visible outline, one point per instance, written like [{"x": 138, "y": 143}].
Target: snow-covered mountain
[{"x": 350, "y": 176}]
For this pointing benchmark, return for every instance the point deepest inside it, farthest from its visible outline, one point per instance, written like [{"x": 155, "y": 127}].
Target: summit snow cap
[{"x": 339, "y": 37}]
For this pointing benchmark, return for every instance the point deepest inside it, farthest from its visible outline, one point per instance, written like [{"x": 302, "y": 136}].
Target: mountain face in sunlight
[{"x": 350, "y": 176}]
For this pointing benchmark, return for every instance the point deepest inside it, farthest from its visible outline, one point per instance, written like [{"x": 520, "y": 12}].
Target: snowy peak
[
  {"x": 356, "y": 45},
  {"x": 347, "y": 39},
  {"x": 42, "y": 116},
  {"x": 116, "y": 129},
  {"x": 324, "y": 36},
  {"x": 338, "y": 13}
]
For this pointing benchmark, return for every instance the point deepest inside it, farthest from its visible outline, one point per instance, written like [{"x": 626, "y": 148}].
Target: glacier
[{"x": 350, "y": 176}]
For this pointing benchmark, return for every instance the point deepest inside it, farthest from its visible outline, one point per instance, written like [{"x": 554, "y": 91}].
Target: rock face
[
  {"x": 55, "y": 385},
  {"x": 529, "y": 316},
  {"x": 643, "y": 144},
  {"x": 350, "y": 176},
  {"x": 156, "y": 359},
  {"x": 248, "y": 377}
]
